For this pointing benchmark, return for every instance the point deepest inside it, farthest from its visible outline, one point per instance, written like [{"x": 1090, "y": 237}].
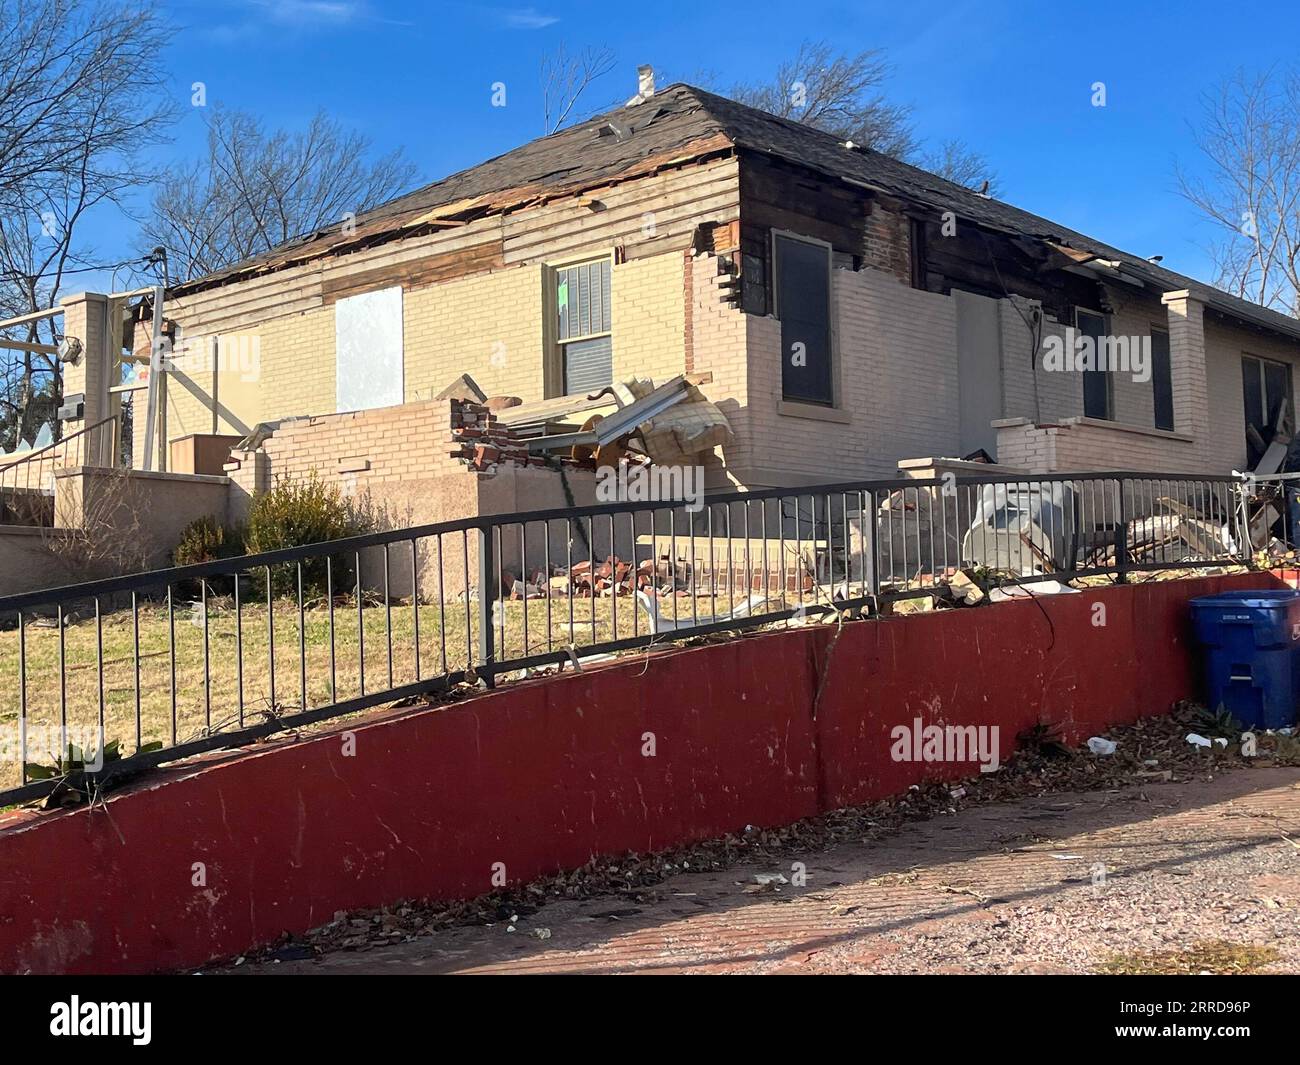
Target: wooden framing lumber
[{"x": 22, "y": 345}]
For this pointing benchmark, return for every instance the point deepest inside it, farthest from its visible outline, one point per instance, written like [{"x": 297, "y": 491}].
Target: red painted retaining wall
[{"x": 541, "y": 776}]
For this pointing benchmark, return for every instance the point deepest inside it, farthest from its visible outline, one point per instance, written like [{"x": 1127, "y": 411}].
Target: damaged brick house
[{"x": 843, "y": 310}]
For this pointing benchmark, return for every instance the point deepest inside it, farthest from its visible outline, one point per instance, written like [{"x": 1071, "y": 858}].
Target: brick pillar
[
  {"x": 250, "y": 475},
  {"x": 85, "y": 317},
  {"x": 1187, "y": 366}
]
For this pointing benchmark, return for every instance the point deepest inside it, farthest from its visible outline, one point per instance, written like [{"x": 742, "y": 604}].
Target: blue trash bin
[{"x": 1252, "y": 654}]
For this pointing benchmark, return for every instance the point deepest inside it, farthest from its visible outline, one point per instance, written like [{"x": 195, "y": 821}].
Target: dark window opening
[
  {"x": 582, "y": 327},
  {"x": 1162, "y": 380},
  {"x": 1266, "y": 395},
  {"x": 1096, "y": 382},
  {"x": 918, "y": 253},
  {"x": 803, "y": 303}
]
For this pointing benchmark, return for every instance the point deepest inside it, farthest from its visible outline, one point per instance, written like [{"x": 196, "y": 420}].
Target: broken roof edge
[
  {"x": 1212, "y": 296},
  {"x": 420, "y": 221}
]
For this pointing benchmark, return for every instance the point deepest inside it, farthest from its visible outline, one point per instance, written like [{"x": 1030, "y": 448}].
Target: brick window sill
[{"x": 813, "y": 412}]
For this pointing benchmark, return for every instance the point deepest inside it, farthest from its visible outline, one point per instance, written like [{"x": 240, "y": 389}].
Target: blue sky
[{"x": 1013, "y": 80}]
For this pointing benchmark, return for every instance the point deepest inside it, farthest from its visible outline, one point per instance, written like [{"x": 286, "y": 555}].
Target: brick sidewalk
[{"x": 1001, "y": 888}]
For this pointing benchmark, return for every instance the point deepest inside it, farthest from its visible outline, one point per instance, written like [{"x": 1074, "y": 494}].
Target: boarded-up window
[
  {"x": 582, "y": 326},
  {"x": 1162, "y": 380},
  {"x": 802, "y": 276},
  {"x": 368, "y": 350}
]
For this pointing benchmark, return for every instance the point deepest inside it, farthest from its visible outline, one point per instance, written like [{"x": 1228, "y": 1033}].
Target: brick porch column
[
  {"x": 1187, "y": 369},
  {"x": 85, "y": 316}
]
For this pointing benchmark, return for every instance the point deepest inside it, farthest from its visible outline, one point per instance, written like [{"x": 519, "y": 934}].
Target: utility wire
[
  {"x": 1033, "y": 324},
  {"x": 78, "y": 270}
]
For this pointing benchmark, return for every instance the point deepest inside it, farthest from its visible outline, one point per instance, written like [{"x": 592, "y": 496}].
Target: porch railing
[
  {"x": 33, "y": 471},
  {"x": 164, "y": 665}
]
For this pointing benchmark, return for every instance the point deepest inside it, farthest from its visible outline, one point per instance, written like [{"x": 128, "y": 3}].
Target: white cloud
[
  {"x": 524, "y": 18},
  {"x": 308, "y": 12},
  {"x": 297, "y": 15}
]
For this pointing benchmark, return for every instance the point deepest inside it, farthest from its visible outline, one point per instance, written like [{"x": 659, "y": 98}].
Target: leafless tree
[
  {"x": 961, "y": 165},
  {"x": 81, "y": 97},
  {"x": 841, "y": 94},
  {"x": 253, "y": 190},
  {"x": 1249, "y": 140},
  {"x": 845, "y": 94},
  {"x": 565, "y": 77}
]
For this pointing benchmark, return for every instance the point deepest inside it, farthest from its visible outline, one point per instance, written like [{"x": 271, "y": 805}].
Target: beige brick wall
[
  {"x": 1209, "y": 418},
  {"x": 188, "y": 408},
  {"x": 1033, "y": 391},
  {"x": 1060, "y": 394},
  {"x": 648, "y": 317},
  {"x": 365, "y": 449},
  {"x": 1084, "y": 445},
  {"x": 1027, "y": 446},
  {"x": 297, "y": 365},
  {"x": 718, "y": 346},
  {"x": 1134, "y": 402},
  {"x": 488, "y": 326},
  {"x": 896, "y": 351}
]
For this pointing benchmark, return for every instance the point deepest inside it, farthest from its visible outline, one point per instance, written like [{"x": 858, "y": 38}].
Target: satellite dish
[{"x": 70, "y": 350}]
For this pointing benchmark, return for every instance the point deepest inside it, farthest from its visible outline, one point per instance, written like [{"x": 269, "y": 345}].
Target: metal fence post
[
  {"x": 1121, "y": 538},
  {"x": 487, "y": 596},
  {"x": 870, "y": 530}
]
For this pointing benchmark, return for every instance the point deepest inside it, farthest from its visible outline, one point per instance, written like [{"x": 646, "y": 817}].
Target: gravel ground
[{"x": 1053, "y": 882}]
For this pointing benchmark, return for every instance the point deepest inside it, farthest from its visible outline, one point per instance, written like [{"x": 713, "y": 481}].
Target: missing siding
[
  {"x": 753, "y": 282},
  {"x": 416, "y": 273}
]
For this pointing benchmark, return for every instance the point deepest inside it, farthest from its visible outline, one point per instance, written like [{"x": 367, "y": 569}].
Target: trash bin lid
[{"x": 1261, "y": 598}]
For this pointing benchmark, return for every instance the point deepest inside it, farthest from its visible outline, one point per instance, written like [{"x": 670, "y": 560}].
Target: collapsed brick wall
[
  {"x": 410, "y": 465},
  {"x": 484, "y": 443},
  {"x": 393, "y": 462},
  {"x": 368, "y": 448}
]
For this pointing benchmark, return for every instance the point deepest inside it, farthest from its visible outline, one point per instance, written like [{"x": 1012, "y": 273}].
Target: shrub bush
[
  {"x": 296, "y": 514},
  {"x": 206, "y": 540}
]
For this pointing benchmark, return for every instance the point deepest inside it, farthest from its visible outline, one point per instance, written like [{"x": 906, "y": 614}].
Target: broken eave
[{"x": 424, "y": 220}]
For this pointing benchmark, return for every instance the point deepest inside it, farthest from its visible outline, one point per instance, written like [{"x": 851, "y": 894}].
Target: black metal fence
[{"x": 163, "y": 665}]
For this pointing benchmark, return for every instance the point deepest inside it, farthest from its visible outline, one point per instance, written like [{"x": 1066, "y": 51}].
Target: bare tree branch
[
  {"x": 841, "y": 94},
  {"x": 566, "y": 77},
  {"x": 253, "y": 190},
  {"x": 1248, "y": 137},
  {"x": 844, "y": 94},
  {"x": 961, "y": 165},
  {"x": 81, "y": 98}
]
